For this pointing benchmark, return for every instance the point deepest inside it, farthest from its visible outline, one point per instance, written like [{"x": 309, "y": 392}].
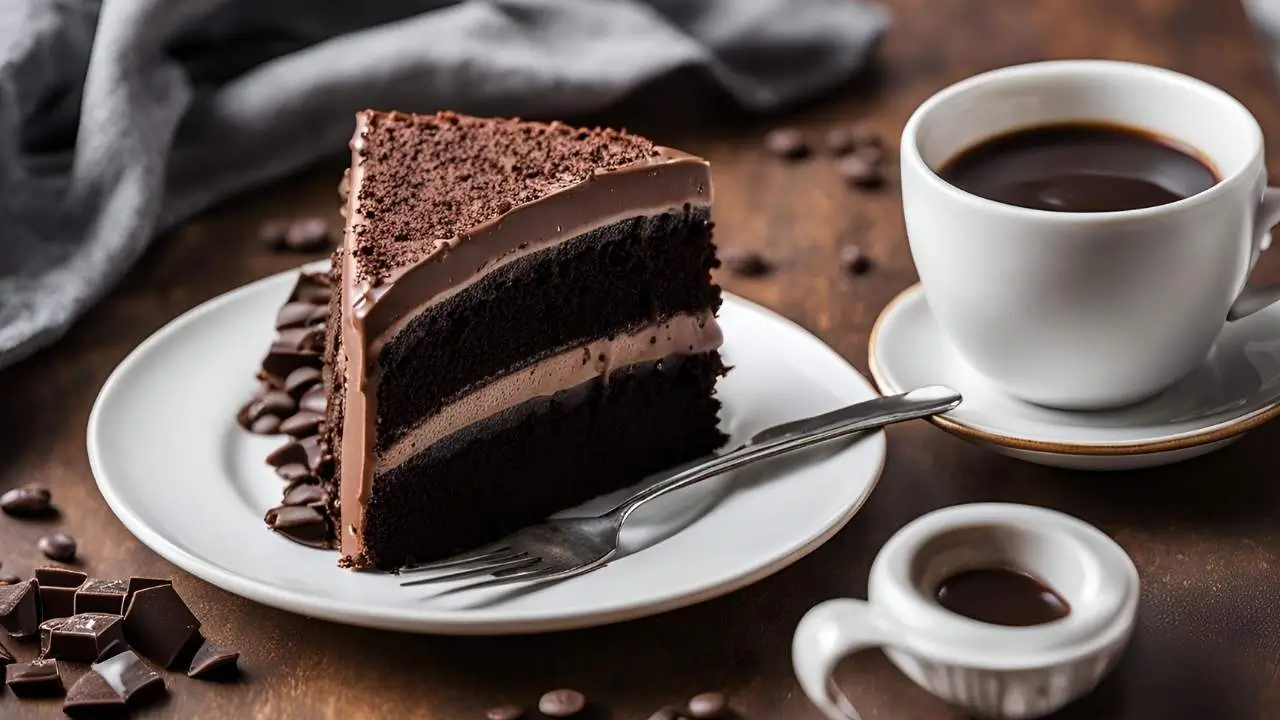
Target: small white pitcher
[{"x": 990, "y": 670}]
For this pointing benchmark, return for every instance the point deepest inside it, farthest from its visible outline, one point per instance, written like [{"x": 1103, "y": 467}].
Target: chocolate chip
[
  {"x": 290, "y": 452},
  {"x": 856, "y": 170},
  {"x": 6, "y": 657},
  {"x": 506, "y": 712},
  {"x": 27, "y": 501},
  {"x": 38, "y": 678},
  {"x": 101, "y": 596},
  {"x": 58, "y": 546},
  {"x": 294, "y": 314},
  {"x": 7, "y": 579},
  {"x": 279, "y": 403},
  {"x": 307, "y": 235},
  {"x": 266, "y": 425},
  {"x": 293, "y": 471},
  {"x": 708, "y": 705},
  {"x": 301, "y": 380},
  {"x": 20, "y": 608},
  {"x": 302, "y": 423},
  {"x": 744, "y": 262},
  {"x": 314, "y": 400},
  {"x": 786, "y": 143},
  {"x": 129, "y": 676},
  {"x": 561, "y": 703},
  {"x": 271, "y": 233},
  {"x": 301, "y": 524},
  {"x": 304, "y": 494},
  {"x": 840, "y": 141},
  {"x": 212, "y": 662},
  {"x": 853, "y": 260},
  {"x": 159, "y": 624},
  {"x": 92, "y": 696},
  {"x": 82, "y": 638}
]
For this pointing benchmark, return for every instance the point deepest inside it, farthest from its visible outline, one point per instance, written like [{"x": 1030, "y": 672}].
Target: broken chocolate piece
[
  {"x": 20, "y": 609},
  {"x": 101, "y": 596},
  {"x": 159, "y": 624},
  {"x": 46, "y": 633},
  {"x": 58, "y": 591},
  {"x": 6, "y": 657},
  {"x": 129, "y": 676},
  {"x": 38, "y": 678},
  {"x": 141, "y": 583},
  {"x": 212, "y": 662},
  {"x": 91, "y": 697},
  {"x": 82, "y": 638}
]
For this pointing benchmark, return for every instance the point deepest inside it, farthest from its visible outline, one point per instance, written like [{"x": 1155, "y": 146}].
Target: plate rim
[
  {"x": 354, "y": 614},
  {"x": 1217, "y": 432}
]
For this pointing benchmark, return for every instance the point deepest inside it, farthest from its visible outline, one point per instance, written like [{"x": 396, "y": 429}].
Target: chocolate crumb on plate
[
  {"x": 27, "y": 502},
  {"x": 58, "y": 546},
  {"x": 159, "y": 625},
  {"x": 708, "y": 705},
  {"x": 854, "y": 260},
  {"x": 505, "y": 712},
  {"x": 562, "y": 703},
  {"x": 213, "y": 662},
  {"x": 58, "y": 590},
  {"x": 787, "y": 143},
  {"x": 744, "y": 262},
  {"x": 38, "y": 678},
  {"x": 82, "y": 638},
  {"x": 92, "y": 697},
  {"x": 129, "y": 676},
  {"x": 20, "y": 608}
]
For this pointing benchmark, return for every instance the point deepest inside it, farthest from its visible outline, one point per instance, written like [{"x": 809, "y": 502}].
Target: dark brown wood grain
[{"x": 1205, "y": 534}]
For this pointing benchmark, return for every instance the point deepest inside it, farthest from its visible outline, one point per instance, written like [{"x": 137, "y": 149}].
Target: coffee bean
[
  {"x": 562, "y": 703},
  {"x": 301, "y": 380},
  {"x": 313, "y": 400},
  {"x": 856, "y": 170},
  {"x": 307, "y": 235},
  {"x": 7, "y": 579},
  {"x": 506, "y": 712},
  {"x": 853, "y": 260},
  {"x": 58, "y": 546},
  {"x": 302, "y": 424},
  {"x": 294, "y": 314},
  {"x": 272, "y": 232},
  {"x": 28, "y": 501},
  {"x": 280, "y": 404},
  {"x": 741, "y": 261},
  {"x": 840, "y": 141},
  {"x": 786, "y": 143},
  {"x": 668, "y": 713},
  {"x": 864, "y": 134},
  {"x": 708, "y": 705}
]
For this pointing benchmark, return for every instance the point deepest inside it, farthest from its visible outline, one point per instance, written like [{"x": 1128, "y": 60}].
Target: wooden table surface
[{"x": 1204, "y": 534}]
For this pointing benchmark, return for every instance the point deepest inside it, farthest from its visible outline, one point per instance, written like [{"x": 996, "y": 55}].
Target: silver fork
[{"x": 567, "y": 547}]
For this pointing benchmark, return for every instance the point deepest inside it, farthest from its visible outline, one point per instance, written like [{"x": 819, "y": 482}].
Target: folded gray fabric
[{"x": 119, "y": 119}]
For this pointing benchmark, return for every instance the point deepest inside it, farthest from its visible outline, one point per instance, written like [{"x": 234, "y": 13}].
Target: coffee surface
[
  {"x": 1079, "y": 167},
  {"x": 1001, "y": 597}
]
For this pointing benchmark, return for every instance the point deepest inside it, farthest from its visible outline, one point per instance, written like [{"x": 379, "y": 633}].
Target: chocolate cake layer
[{"x": 543, "y": 456}]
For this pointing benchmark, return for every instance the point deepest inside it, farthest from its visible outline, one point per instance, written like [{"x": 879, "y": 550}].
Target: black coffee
[
  {"x": 1080, "y": 167},
  {"x": 1001, "y": 597}
]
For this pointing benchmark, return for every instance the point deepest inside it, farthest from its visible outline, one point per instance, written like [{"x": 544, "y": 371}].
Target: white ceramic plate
[
  {"x": 183, "y": 477},
  {"x": 1234, "y": 390}
]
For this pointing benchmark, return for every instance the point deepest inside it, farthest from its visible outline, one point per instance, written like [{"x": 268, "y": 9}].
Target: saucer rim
[{"x": 1197, "y": 438}]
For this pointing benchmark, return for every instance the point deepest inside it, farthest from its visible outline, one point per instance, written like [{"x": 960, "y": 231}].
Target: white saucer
[
  {"x": 1235, "y": 390},
  {"x": 189, "y": 483}
]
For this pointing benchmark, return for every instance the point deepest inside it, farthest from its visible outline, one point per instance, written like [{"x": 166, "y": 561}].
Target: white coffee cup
[{"x": 1087, "y": 310}]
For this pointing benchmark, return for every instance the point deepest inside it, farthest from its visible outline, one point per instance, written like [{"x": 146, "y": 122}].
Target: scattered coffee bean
[
  {"x": 786, "y": 143},
  {"x": 301, "y": 380},
  {"x": 864, "y": 134},
  {"x": 307, "y": 235},
  {"x": 279, "y": 403},
  {"x": 26, "y": 502},
  {"x": 840, "y": 141},
  {"x": 870, "y": 153},
  {"x": 7, "y": 579},
  {"x": 506, "y": 712},
  {"x": 271, "y": 233},
  {"x": 744, "y": 262},
  {"x": 313, "y": 400},
  {"x": 853, "y": 260},
  {"x": 668, "y": 713},
  {"x": 708, "y": 705},
  {"x": 266, "y": 425},
  {"x": 302, "y": 423},
  {"x": 857, "y": 171},
  {"x": 58, "y": 546},
  {"x": 562, "y": 703},
  {"x": 213, "y": 662}
]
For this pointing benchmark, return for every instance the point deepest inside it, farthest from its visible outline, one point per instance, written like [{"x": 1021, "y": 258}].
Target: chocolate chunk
[
  {"x": 840, "y": 141},
  {"x": 46, "y": 633},
  {"x": 301, "y": 493},
  {"x": 744, "y": 262},
  {"x": 58, "y": 590},
  {"x": 58, "y": 546},
  {"x": 281, "y": 361},
  {"x": 82, "y": 638},
  {"x": 301, "y": 524},
  {"x": 159, "y": 624},
  {"x": 313, "y": 289},
  {"x": 266, "y": 425},
  {"x": 6, "y": 657},
  {"x": 505, "y": 712},
  {"x": 561, "y": 703},
  {"x": 853, "y": 260},
  {"x": 294, "y": 314},
  {"x": 20, "y": 608},
  {"x": 307, "y": 451},
  {"x": 307, "y": 235},
  {"x": 92, "y": 697},
  {"x": 113, "y": 650},
  {"x": 137, "y": 584},
  {"x": 786, "y": 143},
  {"x": 26, "y": 502},
  {"x": 857, "y": 170},
  {"x": 212, "y": 662},
  {"x": 314, "y": 400},
  {"x": 302, "y": 423},
  {"x": 303, "y": 339},
  {"x": 278, "y": 403},
  {"x": 301, "y": 380},
  {"x": 129, "y": 676},
  {"x": 293, "y": 471},
  {"x": 38, "y": 678},
  {"x": 668, "y": 713},
  {"x": 271, "y": 233},
  {"x": 707, "y": 705},
  {"x": 9, "y": 579}
]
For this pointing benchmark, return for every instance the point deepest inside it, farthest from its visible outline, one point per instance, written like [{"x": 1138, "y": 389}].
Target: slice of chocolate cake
[{"x": 523, "y": 319}]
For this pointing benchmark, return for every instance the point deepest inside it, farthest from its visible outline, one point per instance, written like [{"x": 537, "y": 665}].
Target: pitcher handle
[
  {"x": 828, "y": 633},
  {"x": 1251, "y": 300}
]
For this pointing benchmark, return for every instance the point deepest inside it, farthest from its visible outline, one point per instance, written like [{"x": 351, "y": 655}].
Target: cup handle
[
  {"x": 1251, "y": 300},
  {"x": 826, "y": 634}
]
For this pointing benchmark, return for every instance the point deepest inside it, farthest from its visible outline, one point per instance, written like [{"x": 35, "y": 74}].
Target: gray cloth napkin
[{"x": 119, "y": 119}]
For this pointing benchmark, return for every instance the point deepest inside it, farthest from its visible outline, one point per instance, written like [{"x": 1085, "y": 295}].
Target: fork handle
[{"x": 798, "y": 434}]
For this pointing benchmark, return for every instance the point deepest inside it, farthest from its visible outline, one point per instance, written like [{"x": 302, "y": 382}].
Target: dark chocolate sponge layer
[
  {"x": 613, "y": 279},
  {"x": 479, "y": 484}
]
